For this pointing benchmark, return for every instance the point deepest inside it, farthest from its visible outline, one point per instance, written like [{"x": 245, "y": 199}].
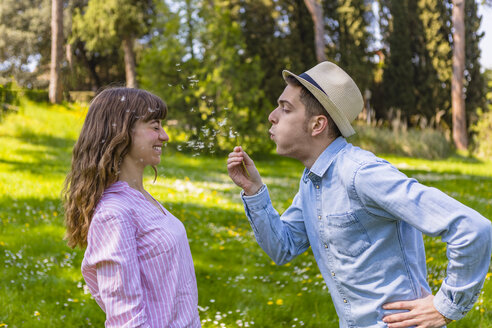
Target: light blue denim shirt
[{"x": 364, "y": 221}]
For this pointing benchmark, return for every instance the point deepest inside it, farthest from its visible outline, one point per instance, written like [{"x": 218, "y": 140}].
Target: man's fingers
[
  {"x": 403, "y": 305},
  {"x": 398, "y": 317},
  {"x": 404, "y": 324}
]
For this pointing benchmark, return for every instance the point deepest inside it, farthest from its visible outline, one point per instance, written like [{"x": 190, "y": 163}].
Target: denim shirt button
[
  {"x": 317, "y": 186},
  {"x": 345, "y": 300},
  {"x": 326, "y": 246},
  {"x": 333, "y": 274},
  {"x": 319, "y": 217}
]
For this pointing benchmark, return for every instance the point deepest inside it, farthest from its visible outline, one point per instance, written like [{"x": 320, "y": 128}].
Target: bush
[
  {"x": 483, "y": 135},
  {"x": 425, "y": 143},
  {"x": 9, "y": 99},
  {"x": 36, "y": 95},
  {"x": 8, "y": 95}
]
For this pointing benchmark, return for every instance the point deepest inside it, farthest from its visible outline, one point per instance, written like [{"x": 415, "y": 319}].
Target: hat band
[{"x": 313, "y": 82}]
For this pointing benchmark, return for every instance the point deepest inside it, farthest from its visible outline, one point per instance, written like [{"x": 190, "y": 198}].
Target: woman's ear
[{"x": 319, "y": 124}]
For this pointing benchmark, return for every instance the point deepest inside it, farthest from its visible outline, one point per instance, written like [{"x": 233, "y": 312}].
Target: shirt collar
[
  {"x": 116, "y": 187},
  {"x": 325, "y": 159}
]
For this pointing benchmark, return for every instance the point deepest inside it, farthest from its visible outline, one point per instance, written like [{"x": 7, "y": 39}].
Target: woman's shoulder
[{"x": 116, "y": 202}]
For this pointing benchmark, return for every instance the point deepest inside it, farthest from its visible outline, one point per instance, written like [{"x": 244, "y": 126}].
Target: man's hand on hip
[{"x": 421, "y": 314}]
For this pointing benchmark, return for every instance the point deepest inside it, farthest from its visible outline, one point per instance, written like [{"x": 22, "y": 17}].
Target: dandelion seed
[
  {"x": 122, "y": 98},
  {"x": 113, "y": 125}
]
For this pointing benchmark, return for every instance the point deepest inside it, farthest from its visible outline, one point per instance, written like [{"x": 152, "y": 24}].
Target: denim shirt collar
[{"x": 324, "y": 160}]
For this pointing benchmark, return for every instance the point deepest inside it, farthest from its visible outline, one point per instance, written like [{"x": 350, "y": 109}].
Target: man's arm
[
  {"x": 381, "y": 187},
  {"x": 281, "y": 238}
]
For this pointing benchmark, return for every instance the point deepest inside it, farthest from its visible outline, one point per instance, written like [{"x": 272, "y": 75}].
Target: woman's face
[{"x": 148, "y": 138}]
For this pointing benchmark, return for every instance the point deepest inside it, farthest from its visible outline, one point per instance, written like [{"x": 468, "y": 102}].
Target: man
[{"x": 362, "y": 217}]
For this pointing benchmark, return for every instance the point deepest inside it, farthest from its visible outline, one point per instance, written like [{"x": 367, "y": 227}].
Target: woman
[{"x": 137, "y": 264}]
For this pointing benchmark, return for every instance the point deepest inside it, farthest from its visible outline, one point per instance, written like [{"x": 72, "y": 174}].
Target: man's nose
[{"x": 272, "y": 118}]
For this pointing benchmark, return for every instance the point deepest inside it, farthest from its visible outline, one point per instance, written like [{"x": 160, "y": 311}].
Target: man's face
[{"x": 289, "y": 130}]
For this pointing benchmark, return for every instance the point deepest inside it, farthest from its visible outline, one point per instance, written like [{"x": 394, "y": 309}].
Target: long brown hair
[{"x": 104, "y": 141}]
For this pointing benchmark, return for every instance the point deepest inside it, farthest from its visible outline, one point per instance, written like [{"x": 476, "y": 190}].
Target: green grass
[{"x": 40, "y": 280}]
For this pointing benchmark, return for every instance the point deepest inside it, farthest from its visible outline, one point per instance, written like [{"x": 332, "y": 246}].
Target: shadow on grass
[{"x": 52, "y": 154}]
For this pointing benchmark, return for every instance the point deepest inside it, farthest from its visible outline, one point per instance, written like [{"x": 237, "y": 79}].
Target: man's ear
[{"x": 319, "y": 124}]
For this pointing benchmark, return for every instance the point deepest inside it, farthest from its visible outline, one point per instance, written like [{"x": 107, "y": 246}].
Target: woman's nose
[{"x": 163, "y": 135}]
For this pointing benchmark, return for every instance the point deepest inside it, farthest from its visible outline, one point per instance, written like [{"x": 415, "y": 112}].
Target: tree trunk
[
  {"x": 55, "y": 88},
  {"x": 131, "y": 75},
  {"x": 460, "y": 136},
  {"x": 316, "y": 9}
]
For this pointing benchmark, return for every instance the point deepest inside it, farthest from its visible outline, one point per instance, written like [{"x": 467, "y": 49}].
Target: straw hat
[{"x": 336, "y": 91}]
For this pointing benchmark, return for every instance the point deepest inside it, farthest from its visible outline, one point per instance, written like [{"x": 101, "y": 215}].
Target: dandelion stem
[{"x": 245, "y": 169}]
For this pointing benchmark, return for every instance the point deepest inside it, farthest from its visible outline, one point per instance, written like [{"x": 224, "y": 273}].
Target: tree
[
  {"x": 55, "y": 88},
  {"x": 103, "y": 25},
  {"x": 474, "y": 81},
  {"x": 24, "y": 40},
  {"x": 398, "y": 75},
  {"x": 435, "y": 16},
  {"x": 460, "y": 136},
  {"x": 348, "y": 31},
  {"x": 316, "y": 10}
]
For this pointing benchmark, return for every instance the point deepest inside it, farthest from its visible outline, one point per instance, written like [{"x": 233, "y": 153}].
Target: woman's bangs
[{"x": 156, "y": 110}]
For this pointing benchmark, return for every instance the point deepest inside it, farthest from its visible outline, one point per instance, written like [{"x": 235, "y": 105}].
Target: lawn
[{"x": 239, "y": 286}]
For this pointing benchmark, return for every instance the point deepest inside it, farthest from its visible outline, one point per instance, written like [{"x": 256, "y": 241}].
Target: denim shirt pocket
[{"x": 346, "y": 234}]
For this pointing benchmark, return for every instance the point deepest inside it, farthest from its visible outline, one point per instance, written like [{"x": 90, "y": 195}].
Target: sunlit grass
[{"x": 239, "y": 286}]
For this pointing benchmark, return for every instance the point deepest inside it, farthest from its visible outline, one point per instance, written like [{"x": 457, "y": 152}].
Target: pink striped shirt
[{"x": 138, "y": 263}]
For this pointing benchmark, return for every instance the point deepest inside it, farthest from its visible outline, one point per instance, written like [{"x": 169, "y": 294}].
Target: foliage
[
  {"x": 217, "y": 58},
  {"x": 214, "y": 94},
  {"x": 483, "y": 134},
  {"x": 24, "y": 38},
  {"x": 103, "y": 24},
  {"x": 9, "y": 94},
  {"x": 238, "y": 285},
  {"x": 417, "y": 75},
  {"x": 475, "y": 83},
  {"x": 349, "y": 22}
]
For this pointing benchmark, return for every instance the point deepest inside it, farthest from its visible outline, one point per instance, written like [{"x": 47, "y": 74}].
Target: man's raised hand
[{"x": 243, "y": 172}]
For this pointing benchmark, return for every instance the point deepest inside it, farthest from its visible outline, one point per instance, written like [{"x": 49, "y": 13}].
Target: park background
[{"x": 218, "y": 64}]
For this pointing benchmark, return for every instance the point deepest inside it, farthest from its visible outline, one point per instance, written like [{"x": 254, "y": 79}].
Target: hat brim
[{"x": 340, "y": 120}]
